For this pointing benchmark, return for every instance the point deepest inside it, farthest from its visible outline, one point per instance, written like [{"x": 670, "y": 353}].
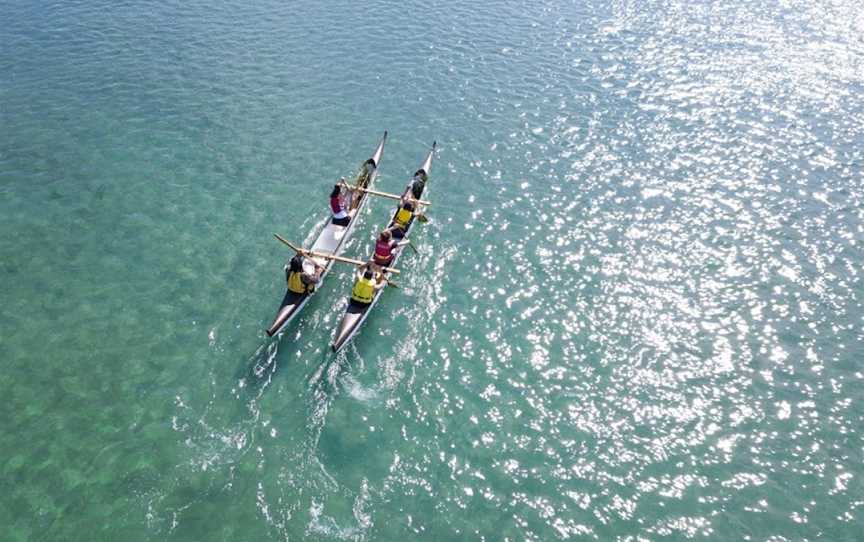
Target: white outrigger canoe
[
  {"x": 356, "y": 313},
  {"x": 331, "y": 241}
]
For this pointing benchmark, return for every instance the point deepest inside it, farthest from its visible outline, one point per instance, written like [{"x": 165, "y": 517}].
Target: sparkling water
[{"x": 636, "y": 312}]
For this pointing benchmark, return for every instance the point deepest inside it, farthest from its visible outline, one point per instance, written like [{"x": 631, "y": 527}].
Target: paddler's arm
[
  {"x": 310, "y": 280},
  {"x": 319, "y": 270}
]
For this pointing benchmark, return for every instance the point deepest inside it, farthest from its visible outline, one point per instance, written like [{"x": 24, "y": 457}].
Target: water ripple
[{"x": 637, "y": 313}]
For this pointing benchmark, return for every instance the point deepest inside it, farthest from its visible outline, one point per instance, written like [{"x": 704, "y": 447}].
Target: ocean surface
[{"x": 636, "y": 313}]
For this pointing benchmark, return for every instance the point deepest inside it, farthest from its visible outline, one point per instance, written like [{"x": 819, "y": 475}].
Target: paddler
[
  {"x": 403, "y": 218},
  {"x": 368, "y": 280},
  {"x": 384, "y": 248},
  {"x": 416, "y": 186},
  {"x": 337, "y": 205},
  {"x": 299, "y": 280}
]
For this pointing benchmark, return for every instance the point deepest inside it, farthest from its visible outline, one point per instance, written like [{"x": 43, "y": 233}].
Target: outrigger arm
[
  {"x": 383, "y": 194},
  {"x": 333, "y": 257}
]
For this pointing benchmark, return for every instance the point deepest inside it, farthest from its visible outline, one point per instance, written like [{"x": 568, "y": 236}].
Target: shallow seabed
[{"x": 637, "y": 313}]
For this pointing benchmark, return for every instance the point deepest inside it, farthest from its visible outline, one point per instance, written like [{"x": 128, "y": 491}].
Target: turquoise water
[{"x": 637, "y": 313}]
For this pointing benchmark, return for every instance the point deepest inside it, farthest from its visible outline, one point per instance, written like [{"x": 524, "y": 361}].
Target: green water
[{"x": 637, "y": 313}]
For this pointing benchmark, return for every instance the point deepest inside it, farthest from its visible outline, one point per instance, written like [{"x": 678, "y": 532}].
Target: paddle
[
  {"x": 313, "y": 254},
  {"x": 410, "y": 244}
]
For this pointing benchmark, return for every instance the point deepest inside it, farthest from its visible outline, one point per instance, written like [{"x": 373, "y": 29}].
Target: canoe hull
[
  {"x": 331, "y": 240},
  {"x": 356, "y": 313}
]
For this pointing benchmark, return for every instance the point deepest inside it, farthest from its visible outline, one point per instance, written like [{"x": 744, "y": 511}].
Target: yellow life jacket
[
  {"x": 403, "y": 217},
  {"x": 295, "y": 283},
  {"x": 364, "y": 290}
]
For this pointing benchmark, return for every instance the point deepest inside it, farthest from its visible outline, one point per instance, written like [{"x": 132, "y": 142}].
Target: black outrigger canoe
[
  {"x": 331, "y": 240},
  {"x": 356, "y": 313}
]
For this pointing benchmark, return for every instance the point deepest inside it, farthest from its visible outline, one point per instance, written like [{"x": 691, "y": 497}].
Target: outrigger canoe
[
  {"x": 331, "y": 241},
  {"x": 356, "y": 313}
]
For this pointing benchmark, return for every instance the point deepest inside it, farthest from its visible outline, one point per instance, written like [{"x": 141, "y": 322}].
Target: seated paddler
[
  {"x": 402, "y": 219},
  {"x": 367, "y": 281},
  {"x": 384, "y": 247},
  {"x": 338, "y": 205},
  {"x": 301, "y": 279},
  {"x": 416, "y": 186}
]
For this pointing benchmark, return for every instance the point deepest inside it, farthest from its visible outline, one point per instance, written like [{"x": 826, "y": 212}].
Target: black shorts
[
  {"x": 385, "y": 264},
  {"x": 342, "y": 221}
]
